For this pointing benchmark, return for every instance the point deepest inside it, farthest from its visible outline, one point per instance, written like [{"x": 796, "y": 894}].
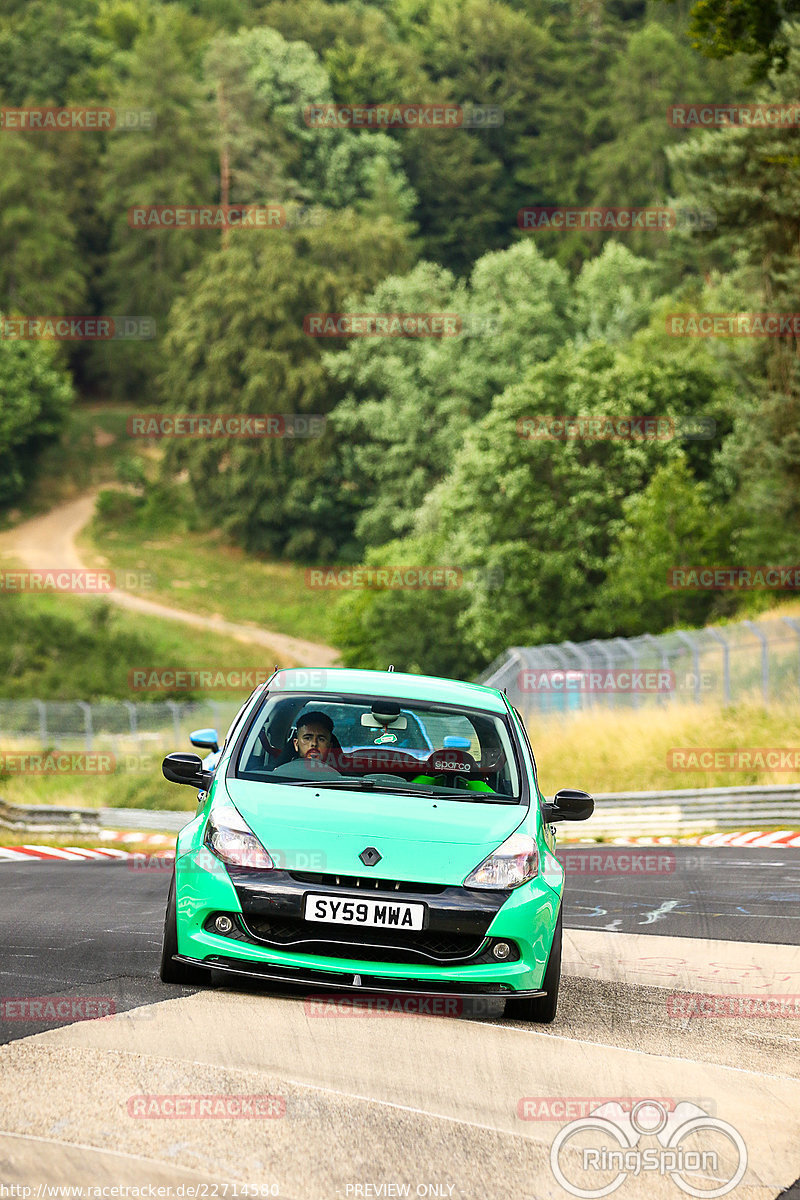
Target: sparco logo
[{"x": 450, "y": 766}]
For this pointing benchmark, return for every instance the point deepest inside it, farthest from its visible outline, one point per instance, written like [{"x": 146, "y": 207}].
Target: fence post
[
  {"x": 42, "y": 711},
  {"x": 176, "y": 722},
  {"x": 726, "y": 664},
  {"x": 586, "y": 664},
  {"x": 692, "y": 644},
  {"x": 759, "y": 633},
  {"x": 87, "y": 721},
  {"x": 650, "y": 639},
  {"x": 628, "y": 648},
  {"x": 609, "y": 663},
  {"x": 793, "y": 625}
]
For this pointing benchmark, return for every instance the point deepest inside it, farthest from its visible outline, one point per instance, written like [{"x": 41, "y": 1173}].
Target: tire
[
  {"x": 542, "y": 1009},
  {"x": 170, "y": 971}
]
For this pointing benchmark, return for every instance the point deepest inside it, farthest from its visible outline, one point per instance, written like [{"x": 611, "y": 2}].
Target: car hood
[{"x": 431, "y": 840}]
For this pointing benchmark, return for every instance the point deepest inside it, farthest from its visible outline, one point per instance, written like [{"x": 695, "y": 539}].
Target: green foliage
[
  {"x": 40, "y": 268},
  {"x": 35, "y": 396},
  {"x": 408, "y": 401},
  {"x": 530, "y": 522},
  {"x": 754, "y": 27},
  {"x": 672, "y": 523},
  {"x": 237, "y": 345}
]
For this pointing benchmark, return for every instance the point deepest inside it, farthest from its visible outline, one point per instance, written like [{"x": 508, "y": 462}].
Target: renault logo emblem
[{"x": 370, "y": 856}]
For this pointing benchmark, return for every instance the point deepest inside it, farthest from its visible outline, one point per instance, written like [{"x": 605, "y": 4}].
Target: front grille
[
  {"x": 372, "y": 945},
  {"x": 367, "y": 882}
]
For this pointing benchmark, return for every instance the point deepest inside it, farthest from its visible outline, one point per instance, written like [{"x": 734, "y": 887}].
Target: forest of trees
[{"x": 422, "y": 461}]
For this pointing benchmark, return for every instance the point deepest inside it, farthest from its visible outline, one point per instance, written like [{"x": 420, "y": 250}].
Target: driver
[{"x": 314, "y": 736}]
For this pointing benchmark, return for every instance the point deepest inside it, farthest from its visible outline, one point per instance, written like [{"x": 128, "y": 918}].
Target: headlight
[
  {"x": 230, "y": 837},
  {"x": 513, "y": 863}
]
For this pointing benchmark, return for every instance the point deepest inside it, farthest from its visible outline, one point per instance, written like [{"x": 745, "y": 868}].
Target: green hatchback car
[{"x": 372, "y": 831}]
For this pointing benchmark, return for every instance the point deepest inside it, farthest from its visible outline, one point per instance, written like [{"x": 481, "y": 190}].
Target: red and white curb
[
  {"x": 751, "y": 837},
  {"x": 34, "y": 853},
  {"x": 144, "y": 839}
]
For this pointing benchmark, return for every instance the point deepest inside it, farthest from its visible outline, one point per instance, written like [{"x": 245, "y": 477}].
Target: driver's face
[{"x": 313, "y": 741}]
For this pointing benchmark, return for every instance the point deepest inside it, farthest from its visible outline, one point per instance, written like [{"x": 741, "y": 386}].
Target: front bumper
[{"x": 262, "y": 902}]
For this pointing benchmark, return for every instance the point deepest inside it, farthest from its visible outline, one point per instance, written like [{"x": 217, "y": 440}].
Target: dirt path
[{"x": 49, "y": 542}]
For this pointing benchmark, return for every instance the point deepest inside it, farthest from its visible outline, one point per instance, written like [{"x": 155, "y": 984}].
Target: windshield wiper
[{"x": 365, "y": 785}]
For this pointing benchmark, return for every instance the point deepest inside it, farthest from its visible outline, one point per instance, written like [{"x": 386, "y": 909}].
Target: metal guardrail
[
  {"x": 692, "y": 811},
  {"x": 620, "y": 814},
  {"x": 161, "y": 820},
  {"x": 48, "y": 818},
  {"x": 744, "y": 660}
]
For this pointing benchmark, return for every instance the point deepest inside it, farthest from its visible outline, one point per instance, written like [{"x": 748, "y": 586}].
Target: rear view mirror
[
  {"x": 568, "y": 805},
  {"x": 205, "y": 739}
]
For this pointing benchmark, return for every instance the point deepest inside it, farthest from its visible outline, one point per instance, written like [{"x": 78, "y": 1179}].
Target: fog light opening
[
  {"x": 501, "y": 950},
  {"x": 223, "y": 924}
]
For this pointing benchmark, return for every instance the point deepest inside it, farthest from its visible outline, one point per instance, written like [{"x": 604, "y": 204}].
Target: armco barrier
[
  {"x": 620, "y": 814},
  {"x": 48, "y": 818},
  {"x": 705, "y": 810}
]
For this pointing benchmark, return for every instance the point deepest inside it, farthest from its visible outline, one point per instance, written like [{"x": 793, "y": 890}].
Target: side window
[{"x": 235, "y": 722}]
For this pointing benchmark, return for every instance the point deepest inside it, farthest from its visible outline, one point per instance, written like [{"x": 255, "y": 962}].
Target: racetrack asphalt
[{"x": 379, "y": 1101}]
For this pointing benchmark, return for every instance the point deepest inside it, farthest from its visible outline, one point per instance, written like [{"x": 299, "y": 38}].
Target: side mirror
[
  {"x": 568, "y": 805},
  {"x": 186, "y": 768},
  {"x": 205, "y": 739}
]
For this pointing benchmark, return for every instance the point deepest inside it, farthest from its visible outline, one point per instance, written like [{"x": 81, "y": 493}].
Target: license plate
[{"x": 376, "y": 914}]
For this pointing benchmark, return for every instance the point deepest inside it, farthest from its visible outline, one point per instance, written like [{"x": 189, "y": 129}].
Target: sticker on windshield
[{"x": 385, "y": 737}]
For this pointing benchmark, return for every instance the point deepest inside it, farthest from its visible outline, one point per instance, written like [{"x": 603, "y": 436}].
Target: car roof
[{"x": 396, "y": 684}]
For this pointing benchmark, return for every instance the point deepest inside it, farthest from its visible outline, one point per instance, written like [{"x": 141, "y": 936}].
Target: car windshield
[{"x": 378, "y": 744}]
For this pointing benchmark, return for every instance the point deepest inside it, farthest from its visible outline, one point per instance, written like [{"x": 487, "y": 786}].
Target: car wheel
[
  {"x": 170, "y": 971},
  {"x": 542, "y": 1009}
]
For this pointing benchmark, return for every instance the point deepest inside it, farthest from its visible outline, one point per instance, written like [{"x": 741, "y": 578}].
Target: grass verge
[
  {"x": 627, "y": 751},
  {"x": 201, "y": 571}
]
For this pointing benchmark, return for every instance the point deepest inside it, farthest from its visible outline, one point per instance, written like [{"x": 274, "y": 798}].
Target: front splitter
[{"x": 350, "y": 981}]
